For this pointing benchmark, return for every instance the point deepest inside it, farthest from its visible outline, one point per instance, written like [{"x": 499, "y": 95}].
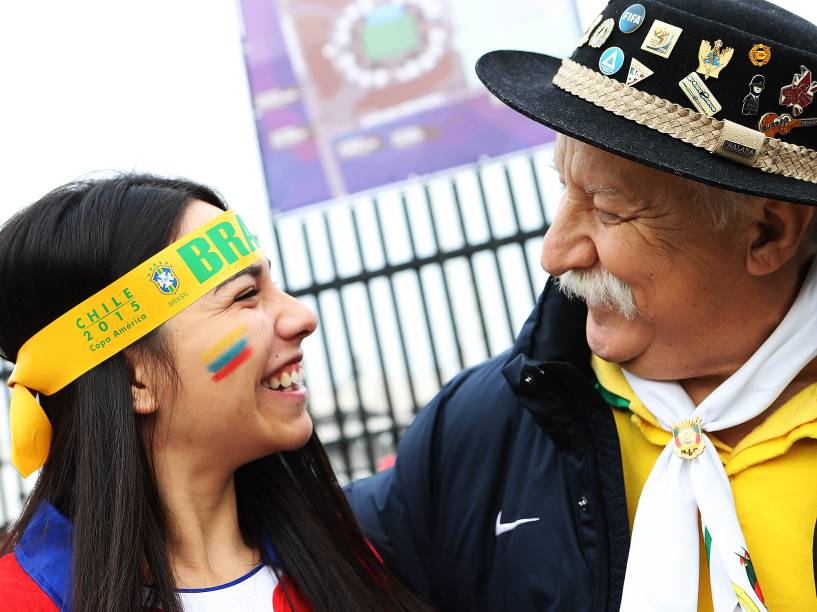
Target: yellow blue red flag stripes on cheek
[
  {"x": 116, "y": 317},
  {"x": 227, "y": 354}
]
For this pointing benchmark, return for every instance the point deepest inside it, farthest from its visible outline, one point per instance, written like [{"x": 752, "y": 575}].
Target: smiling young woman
[{"x": 182, "y": 470}]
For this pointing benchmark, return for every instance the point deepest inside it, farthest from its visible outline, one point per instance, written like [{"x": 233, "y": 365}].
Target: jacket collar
[
  {"x": 44, "y": 552},
  {"x": 554, "y": 332}
]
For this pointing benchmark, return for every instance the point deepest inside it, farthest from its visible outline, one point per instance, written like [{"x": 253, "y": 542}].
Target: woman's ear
[
  {"x": 778, "y": 229},
  {"x": 142, "y": 392}
]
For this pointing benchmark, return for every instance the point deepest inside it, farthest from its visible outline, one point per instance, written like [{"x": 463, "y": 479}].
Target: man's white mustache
[{"x": 600, "y": 289}]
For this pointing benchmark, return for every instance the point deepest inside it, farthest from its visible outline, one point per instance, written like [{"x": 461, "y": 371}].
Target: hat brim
[{"x": 524, "y": 81}]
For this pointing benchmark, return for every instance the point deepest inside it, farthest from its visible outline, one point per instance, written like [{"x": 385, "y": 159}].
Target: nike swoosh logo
[{"x": 506, "y": 527}]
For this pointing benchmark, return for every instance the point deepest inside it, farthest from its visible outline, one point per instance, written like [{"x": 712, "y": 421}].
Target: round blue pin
[
  {"x": 611, "y": 60},
  {"x": 632, "y": 18}
]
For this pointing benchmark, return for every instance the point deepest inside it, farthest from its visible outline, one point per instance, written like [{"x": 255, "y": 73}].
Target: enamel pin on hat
[
  {"x": 760, "y": 54},
  {"x": 586, "y": 36},
  {"x": 632, "y": 18},
  {"x": 661, "y": 38},
  {"x": 602, "y": 33},
  {"x": 800, "y": 93},
  {"x": 713, "y": 58},
  {"x": 698, "y": 93},
  {"x": 611, "y": 60},
  {"x": 638, "y": 72}
]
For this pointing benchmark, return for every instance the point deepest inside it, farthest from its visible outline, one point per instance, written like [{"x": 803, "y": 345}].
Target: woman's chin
[{"x": 615, "y": 338}]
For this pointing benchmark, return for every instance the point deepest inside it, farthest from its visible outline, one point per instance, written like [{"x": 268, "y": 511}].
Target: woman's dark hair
[{"x": 53, "y": 255}]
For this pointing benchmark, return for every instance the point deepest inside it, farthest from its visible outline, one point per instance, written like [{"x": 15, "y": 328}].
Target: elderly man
[{"x": 650, "y": 442}]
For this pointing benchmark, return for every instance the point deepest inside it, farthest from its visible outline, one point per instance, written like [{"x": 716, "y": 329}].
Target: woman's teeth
[{"x": 287, "y": 380}]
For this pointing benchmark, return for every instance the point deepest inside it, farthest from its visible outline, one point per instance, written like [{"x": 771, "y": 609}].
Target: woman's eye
[{"x": 252, "y": 292}]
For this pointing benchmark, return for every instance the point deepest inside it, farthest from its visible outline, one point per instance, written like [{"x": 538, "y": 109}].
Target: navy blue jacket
[{"x": 525, "y": 434}]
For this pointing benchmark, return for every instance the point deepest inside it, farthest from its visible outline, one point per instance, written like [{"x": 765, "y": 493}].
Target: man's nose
[{"x": 567, "y": 246}]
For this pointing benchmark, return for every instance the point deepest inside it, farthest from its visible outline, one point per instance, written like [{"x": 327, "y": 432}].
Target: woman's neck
[{"x": 205, "y": 547}]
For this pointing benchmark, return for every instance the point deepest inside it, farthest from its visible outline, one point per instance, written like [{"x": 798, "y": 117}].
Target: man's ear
[
  {"x": 777, "y": 229},
  {"x": 142, "y": 392}
]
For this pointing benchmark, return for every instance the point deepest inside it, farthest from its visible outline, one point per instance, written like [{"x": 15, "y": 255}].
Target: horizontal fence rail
[{"x": 411, "y": 284}]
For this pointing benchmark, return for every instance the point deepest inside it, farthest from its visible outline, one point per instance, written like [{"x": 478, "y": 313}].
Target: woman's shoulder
[{"x": 18, "y": 591}]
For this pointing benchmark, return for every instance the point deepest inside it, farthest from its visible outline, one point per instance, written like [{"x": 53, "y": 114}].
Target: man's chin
[{"x": 615, "y": 338}]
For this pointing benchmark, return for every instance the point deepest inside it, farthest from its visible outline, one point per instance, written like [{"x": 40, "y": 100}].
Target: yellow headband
[{"x": 116, "y": 317}]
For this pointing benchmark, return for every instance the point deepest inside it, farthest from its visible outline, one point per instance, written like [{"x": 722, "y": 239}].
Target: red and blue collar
[{"x": 45, "y": 552}]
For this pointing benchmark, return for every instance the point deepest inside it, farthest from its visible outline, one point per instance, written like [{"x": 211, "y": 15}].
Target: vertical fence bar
[
  {"x": 338, "y": 413},
  {"x": 491, "y": 236},
  {"x": 469, "y": 258},
  {"x": 446, "y": 289},
  {"x": 423, "y": 298},
  {"x": 537, "y": 189},
  {"x": 377, "y": 337},
  {"x": 518, "y": 226},
  {"x": 400, "y": 333},
  {"x": 361, "y": 409}
]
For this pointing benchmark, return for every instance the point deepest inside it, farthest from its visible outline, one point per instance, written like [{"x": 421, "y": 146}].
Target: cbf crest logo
[
  {"x": 162, "y": 275},
  {"x": 688, "y": 441}
]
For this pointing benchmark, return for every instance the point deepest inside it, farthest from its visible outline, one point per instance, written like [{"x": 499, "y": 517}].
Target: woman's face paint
[{"x": 226, "y": 355}]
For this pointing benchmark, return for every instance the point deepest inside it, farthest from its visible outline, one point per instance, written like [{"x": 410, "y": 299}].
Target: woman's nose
[{"x": 295, "y": 320}]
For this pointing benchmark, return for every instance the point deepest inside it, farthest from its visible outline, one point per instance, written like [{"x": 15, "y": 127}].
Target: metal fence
[{"x": 411, "y": 284}]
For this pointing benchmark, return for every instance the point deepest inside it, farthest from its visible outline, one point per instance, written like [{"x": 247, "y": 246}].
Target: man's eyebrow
[
  {"x": 255, "y": 270},
  {"x": 602, "y": 189}
]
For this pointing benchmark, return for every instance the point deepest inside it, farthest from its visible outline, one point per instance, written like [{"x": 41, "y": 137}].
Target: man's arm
[{"x": 395, "y": 507}]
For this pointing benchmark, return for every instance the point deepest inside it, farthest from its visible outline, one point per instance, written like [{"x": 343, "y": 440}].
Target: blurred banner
[{"x": 353, "y": 94}]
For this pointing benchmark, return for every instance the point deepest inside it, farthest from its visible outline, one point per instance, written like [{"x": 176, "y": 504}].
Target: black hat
[{"x": 665, "y": 82}]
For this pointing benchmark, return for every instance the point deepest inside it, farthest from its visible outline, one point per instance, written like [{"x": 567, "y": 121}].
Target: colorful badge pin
[
  {"x": 602, "y": 33},
  {"x": 713, "y": 58},
  {"x": 638, "y": 72},
  {"x": 632, "y": 18},
  {"x": 800, "y": 93},
  {"x": 760, "y": 54},
  {"x": 661, "y": 38},
  {"x": 772, "y": 124},
  {"x": 611, "y": 60}
]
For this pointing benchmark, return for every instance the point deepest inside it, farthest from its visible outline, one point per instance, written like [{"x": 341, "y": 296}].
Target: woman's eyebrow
[{"x": 255, "y": 270}]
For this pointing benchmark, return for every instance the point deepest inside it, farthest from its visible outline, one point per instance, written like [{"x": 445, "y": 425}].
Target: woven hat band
[{"x": 723, "y": 138}]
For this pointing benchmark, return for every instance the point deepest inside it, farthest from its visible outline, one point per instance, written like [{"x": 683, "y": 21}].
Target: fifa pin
[
  {"x": 586, "y": 36},
  {"x": 661, "y": 38},
  {"x": 751, "y": 103},
  {"x": 602, "y": 33},
  {"x": 760, "y": 54},
  {"x": 632, "y": 18},
  {"x": 698, "y": 93},
  {"x": 638, "y": 72},
  {"x": 800, "y": 93},
  {"x": 611, "y": 60},
  {"x": 713, "y": 59}
]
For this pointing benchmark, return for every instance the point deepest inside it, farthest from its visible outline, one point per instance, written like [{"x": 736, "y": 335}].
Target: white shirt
[{"x": 259, "y": 590}]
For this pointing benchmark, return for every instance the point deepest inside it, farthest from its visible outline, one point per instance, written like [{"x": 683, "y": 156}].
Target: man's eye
[
  {"x": 252, "y": 292},
  {"x": 606, "y": 217}
]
